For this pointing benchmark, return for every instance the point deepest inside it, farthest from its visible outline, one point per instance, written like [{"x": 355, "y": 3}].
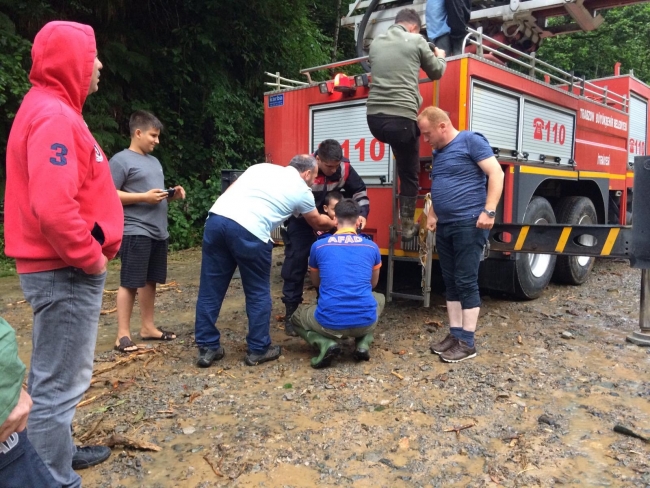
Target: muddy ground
[{"x": 384, "y": 423}]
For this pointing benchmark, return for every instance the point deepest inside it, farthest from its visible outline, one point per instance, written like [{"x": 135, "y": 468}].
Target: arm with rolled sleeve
[{"x": 55, "y": 175}]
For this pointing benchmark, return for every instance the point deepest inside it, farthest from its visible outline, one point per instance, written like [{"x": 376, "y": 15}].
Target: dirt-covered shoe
[
  {"x": 208, "y": 356},
  {"x": 458, "y": 353},
  {"x": 271, "y": 354},
  {"x": 444, "y": 345}
]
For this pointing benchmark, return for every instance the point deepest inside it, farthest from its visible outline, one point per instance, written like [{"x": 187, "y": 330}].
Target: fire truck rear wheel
[
  {"x": 533, "y": 272},
  {"x": 574, "y": 270}
]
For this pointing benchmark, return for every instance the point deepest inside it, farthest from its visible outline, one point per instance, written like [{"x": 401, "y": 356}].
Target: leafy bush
[{"x": 7, "y": 265}]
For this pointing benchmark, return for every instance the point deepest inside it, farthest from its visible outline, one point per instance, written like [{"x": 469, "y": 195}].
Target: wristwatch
[{"x": 490, "y": 213}]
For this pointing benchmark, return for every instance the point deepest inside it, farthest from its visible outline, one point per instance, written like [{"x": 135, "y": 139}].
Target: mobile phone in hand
[{"x": 170, "y": 192}]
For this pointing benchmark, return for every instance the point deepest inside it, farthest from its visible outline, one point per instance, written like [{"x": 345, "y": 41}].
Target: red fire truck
[{"x": 566, "y": 147}]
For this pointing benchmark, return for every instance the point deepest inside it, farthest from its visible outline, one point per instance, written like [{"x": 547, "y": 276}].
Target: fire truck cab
[{"x": 566, "y": 146}]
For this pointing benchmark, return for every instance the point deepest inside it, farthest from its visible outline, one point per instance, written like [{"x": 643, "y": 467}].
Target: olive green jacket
[
  {"x": 395, "y": 60},
  {"x": 12, "y": 371}
]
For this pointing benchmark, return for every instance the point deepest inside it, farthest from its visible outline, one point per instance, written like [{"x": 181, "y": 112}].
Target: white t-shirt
[{"x": 264, "y": 197}]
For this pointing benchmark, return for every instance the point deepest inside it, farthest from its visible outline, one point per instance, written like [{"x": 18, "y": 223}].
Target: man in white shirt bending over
[{"x": 238, "y": 234}]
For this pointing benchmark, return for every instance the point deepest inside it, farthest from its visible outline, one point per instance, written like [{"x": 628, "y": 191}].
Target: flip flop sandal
[
  {"x": 166, "y": 336},
  {"x": 125, "y": 345}
]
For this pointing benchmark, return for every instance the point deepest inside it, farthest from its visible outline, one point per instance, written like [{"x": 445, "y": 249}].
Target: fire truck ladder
[{"x": 423, "y": 245}]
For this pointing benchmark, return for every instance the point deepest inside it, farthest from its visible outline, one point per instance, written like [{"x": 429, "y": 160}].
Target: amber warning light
[{"x": 344, "y": 84}]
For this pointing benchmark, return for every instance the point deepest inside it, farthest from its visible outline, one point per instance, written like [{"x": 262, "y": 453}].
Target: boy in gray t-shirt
[{"x": 139, "y": 180}]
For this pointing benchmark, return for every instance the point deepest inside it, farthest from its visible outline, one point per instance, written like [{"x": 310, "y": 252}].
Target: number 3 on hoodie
[{"x": 60, "y": 154}]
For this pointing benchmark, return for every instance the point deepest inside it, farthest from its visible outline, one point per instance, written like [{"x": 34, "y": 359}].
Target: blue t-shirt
[
  {"x": 345, "y": 262},
  {"x": 457, "y": 183}
]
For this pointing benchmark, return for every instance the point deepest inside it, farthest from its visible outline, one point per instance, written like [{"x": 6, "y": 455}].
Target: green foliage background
[{"x": 199, "y": 66}]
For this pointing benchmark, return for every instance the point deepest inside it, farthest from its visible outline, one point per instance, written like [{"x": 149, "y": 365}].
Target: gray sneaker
[
  {"x": 458, "y": 353},
  {"x": 208, "y": 356},
  {"x": 271, "y": 354},
  {"x": 444, "y": 345}
]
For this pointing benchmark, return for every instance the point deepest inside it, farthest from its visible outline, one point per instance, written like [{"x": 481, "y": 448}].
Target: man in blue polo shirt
[
  {"x": 345, "y": 268},
  {"x": 462, "y": 213}
]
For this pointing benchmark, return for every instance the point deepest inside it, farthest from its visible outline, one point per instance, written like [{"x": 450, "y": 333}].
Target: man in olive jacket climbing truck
[
  {"x": 20, "y": 465},
  {"x": 394, "y": 101},
  {"x": 63, "y": 222},
  {"x": 462, "y": 213}
]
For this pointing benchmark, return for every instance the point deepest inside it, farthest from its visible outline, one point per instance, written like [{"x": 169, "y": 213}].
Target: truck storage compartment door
[
  {"x": 638, "y": 127},
  {"x": 346, "y": 122},
  {"x": 547, "y": 132},
  {"x": 495, "y": 114}
]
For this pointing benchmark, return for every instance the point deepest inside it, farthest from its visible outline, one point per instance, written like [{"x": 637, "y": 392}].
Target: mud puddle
[{"x": 535, "y": 408}]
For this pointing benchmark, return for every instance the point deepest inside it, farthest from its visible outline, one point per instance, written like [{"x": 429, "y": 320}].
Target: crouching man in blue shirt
[
  {"x": 462, "y": 215},
  {"x": 345, "y": 268}
]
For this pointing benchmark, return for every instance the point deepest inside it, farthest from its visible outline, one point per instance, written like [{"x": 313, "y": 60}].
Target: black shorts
[{"x": 143, "y": 259}]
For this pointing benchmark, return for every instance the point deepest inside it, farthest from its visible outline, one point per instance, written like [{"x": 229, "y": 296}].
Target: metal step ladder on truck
[{"x": 566, "y": 146}]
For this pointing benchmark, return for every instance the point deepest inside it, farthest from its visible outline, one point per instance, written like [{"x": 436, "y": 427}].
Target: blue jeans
[
  {"x": 66, "y": 304},
  {"x": 227, "y": 245},
  {"x": 460, "y": 246},
  {"x": 20, "y": 465}
]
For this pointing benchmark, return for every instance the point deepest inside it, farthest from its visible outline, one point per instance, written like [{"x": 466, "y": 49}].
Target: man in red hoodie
[{"x": 63, "y": 222}]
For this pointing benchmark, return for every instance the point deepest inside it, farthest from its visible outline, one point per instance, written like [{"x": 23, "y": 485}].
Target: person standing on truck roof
[
  {"x": 462, "y": 213},
  {"x": 334, "y": 173},
  {"x": 394, "y": 101},
  {"x": 238, "y": 234},
  {"x": 447, "y": 24},
  {"x": 63, "y": 223}
]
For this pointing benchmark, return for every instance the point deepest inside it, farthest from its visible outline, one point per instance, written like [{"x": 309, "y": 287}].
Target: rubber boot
[
  {"x": 362, "y": 351},
  {"x": 290, "y": 308},
  {"x": 407, "y": 215},
  {"x": 444, "y": 43},
  {"x": 328, "y": 348}
]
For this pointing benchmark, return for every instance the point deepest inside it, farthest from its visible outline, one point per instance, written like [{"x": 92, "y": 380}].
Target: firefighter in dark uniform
[{"x": 334, "y": 173}]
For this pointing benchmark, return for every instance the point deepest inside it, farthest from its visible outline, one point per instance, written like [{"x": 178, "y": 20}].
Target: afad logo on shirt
[
  {"x": 98, "y": 154},
  {"x": 344, "y": 239}
]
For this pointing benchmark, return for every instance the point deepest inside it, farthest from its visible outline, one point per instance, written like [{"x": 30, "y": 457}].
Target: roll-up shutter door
[
  {"x": 547, "y": 131},
  {"x": 346, "y": 122},
  {"x": 638, "y": 128},
  {"x": 495, "y": 115}
]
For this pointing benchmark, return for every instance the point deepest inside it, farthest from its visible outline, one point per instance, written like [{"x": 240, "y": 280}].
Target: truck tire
[
  {"x": 574, "y": 270},
  {"x": 533, "y": 272}
]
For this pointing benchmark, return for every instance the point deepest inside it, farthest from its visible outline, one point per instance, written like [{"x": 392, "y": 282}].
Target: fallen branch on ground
[
  {"x": 90, "y": 432},
  {"x": 120, "y": 440},
  {"x": 92, "y": 399},
  {"x": 397, "y": 374},
  {"x": 106, "y": 312},
  {"x": 214, "y": 469},
  {"x": 458, "y": 429},
  {"x": 130, "y": 358}
]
